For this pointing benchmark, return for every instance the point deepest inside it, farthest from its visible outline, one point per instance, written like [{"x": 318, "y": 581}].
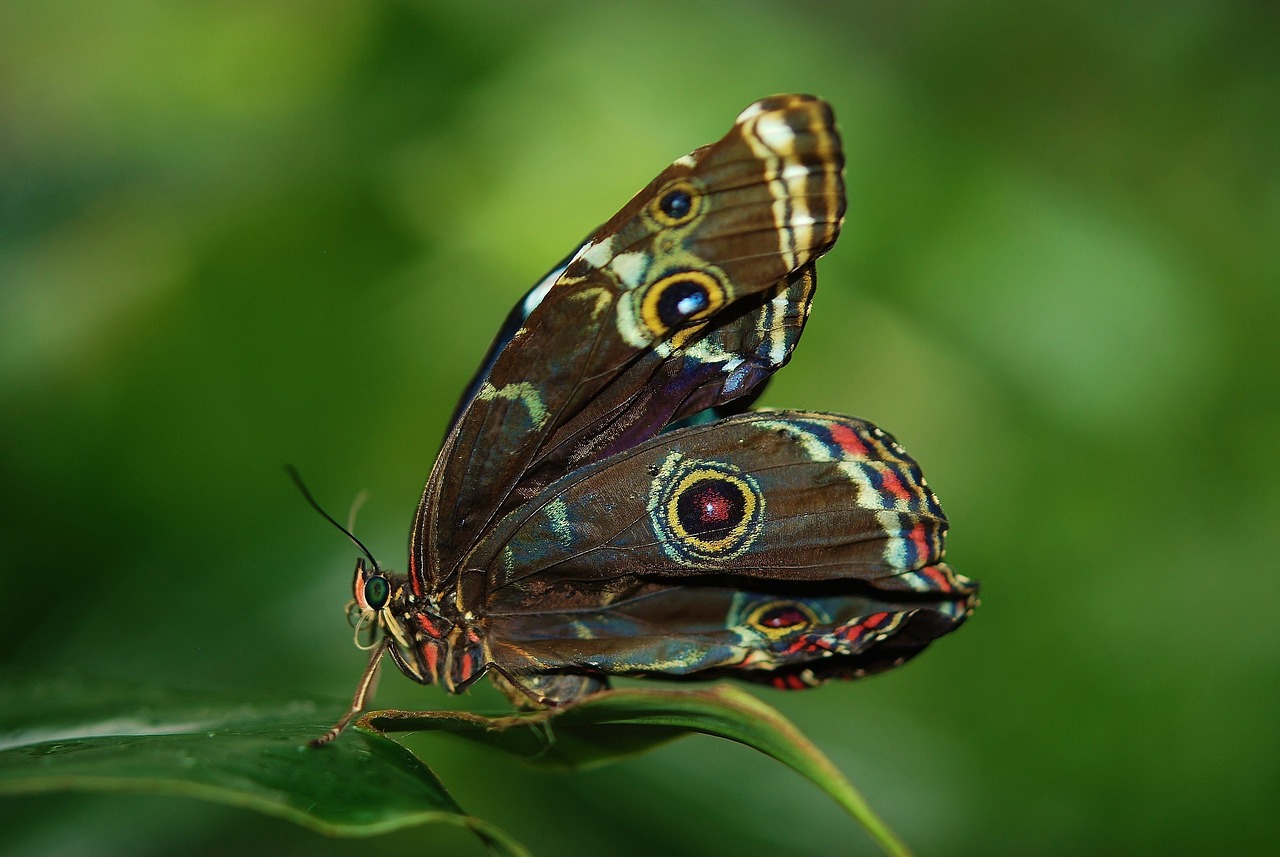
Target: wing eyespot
[
  {"x": 680, "y": 298},
  {"x": 704, "y": 512},
  {"x": 777, "y": 619},
  {"x": 678, "y": 205}
]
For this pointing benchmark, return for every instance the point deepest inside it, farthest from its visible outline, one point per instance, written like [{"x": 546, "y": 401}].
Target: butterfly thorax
[
  {"x": 433, "y": 641},
  {"x": 439, "y": 645}
]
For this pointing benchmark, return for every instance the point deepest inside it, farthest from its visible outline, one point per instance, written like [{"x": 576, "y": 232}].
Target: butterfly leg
[{"x": 363, "y": 691}]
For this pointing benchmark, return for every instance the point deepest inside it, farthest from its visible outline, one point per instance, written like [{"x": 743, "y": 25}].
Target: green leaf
[
  {"x": 95, "y": 737},
  {"x": 620, "y": 723},
  {"x": 98, "y": 737}
]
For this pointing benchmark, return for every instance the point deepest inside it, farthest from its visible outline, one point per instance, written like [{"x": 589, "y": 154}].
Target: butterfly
[{"x": 607, "y": 504}]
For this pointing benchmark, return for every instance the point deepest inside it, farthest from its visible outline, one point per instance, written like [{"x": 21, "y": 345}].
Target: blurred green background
[{"x": 235, "y": 234}]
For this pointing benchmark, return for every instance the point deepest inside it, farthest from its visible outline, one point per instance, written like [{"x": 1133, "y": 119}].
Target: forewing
[
  {"x": 730, "y": 360},
  {"x": 514, "y": 321},
  {"x": 735, "y": 219}
]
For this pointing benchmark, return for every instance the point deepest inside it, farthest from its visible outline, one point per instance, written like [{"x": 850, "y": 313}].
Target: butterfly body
[{"x": 604, "y": 504}]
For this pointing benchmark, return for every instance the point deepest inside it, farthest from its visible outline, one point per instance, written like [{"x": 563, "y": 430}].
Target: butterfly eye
[
  {"x": 680, "y": 298},
  {"x": 376, "y": 592},
  {"x": 676, "y": 207}
]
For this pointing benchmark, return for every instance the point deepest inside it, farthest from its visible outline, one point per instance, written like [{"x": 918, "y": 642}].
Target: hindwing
[{"x": 795, "y": 546}]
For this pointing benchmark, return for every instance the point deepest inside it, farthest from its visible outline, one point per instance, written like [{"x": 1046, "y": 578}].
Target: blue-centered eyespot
[
  {"x": 677, "y": 206},
  {"x": 680, "y": 298},
  {"x": 376, "y": 592}
]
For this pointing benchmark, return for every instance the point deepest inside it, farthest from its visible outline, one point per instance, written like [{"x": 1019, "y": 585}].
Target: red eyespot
[
  {"x": 711, "y": 506},
  {"x": 785, "y": 616},
  {"x": 704, "y": 511}
]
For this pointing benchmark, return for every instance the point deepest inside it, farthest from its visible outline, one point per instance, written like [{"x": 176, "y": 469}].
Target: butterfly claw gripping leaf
[{"x": 604, "y": 503}]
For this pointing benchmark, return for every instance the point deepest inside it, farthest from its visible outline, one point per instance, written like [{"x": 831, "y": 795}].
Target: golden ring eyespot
[
  {"x": 704, "y": 512},
  {"x": 709, "y": 508},
  {"x": 781, "y": 618},
  {"x": 680, "y": 298},
  {"x": 677, "y": 205}
]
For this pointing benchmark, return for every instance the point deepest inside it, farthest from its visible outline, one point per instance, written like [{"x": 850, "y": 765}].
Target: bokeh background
[{"x": 239, "y": 234}]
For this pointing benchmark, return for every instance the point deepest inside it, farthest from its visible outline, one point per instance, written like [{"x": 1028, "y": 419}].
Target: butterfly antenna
[{"x": 297, "y": 480}]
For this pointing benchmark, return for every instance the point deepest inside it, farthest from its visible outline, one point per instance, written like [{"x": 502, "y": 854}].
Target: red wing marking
[{"x": 849, "y": 441}]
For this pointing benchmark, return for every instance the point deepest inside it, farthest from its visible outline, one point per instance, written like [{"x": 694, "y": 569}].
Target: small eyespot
[
  {"x": 778, "y": 619},
  {"x": 376, "y": 592},
  {"x": 712, "y": 507},
  {"x": 783, "y": 616},
  {"x": 678, "y": 206}
]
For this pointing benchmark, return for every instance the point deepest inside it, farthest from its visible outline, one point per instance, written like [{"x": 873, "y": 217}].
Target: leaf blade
[
  {"x": 73, "y": 736},
  {"x": 721, "y": 711}
]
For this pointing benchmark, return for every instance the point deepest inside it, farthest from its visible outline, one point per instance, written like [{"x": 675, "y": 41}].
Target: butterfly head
[
  {"x": 372, "y": 609},
  {"x": 414, "y": 631}
]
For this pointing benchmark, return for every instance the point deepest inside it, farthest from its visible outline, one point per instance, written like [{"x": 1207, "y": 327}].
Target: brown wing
[
  {"x": 737, "y": 218},
  {"x": 687, "y": 553}
]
